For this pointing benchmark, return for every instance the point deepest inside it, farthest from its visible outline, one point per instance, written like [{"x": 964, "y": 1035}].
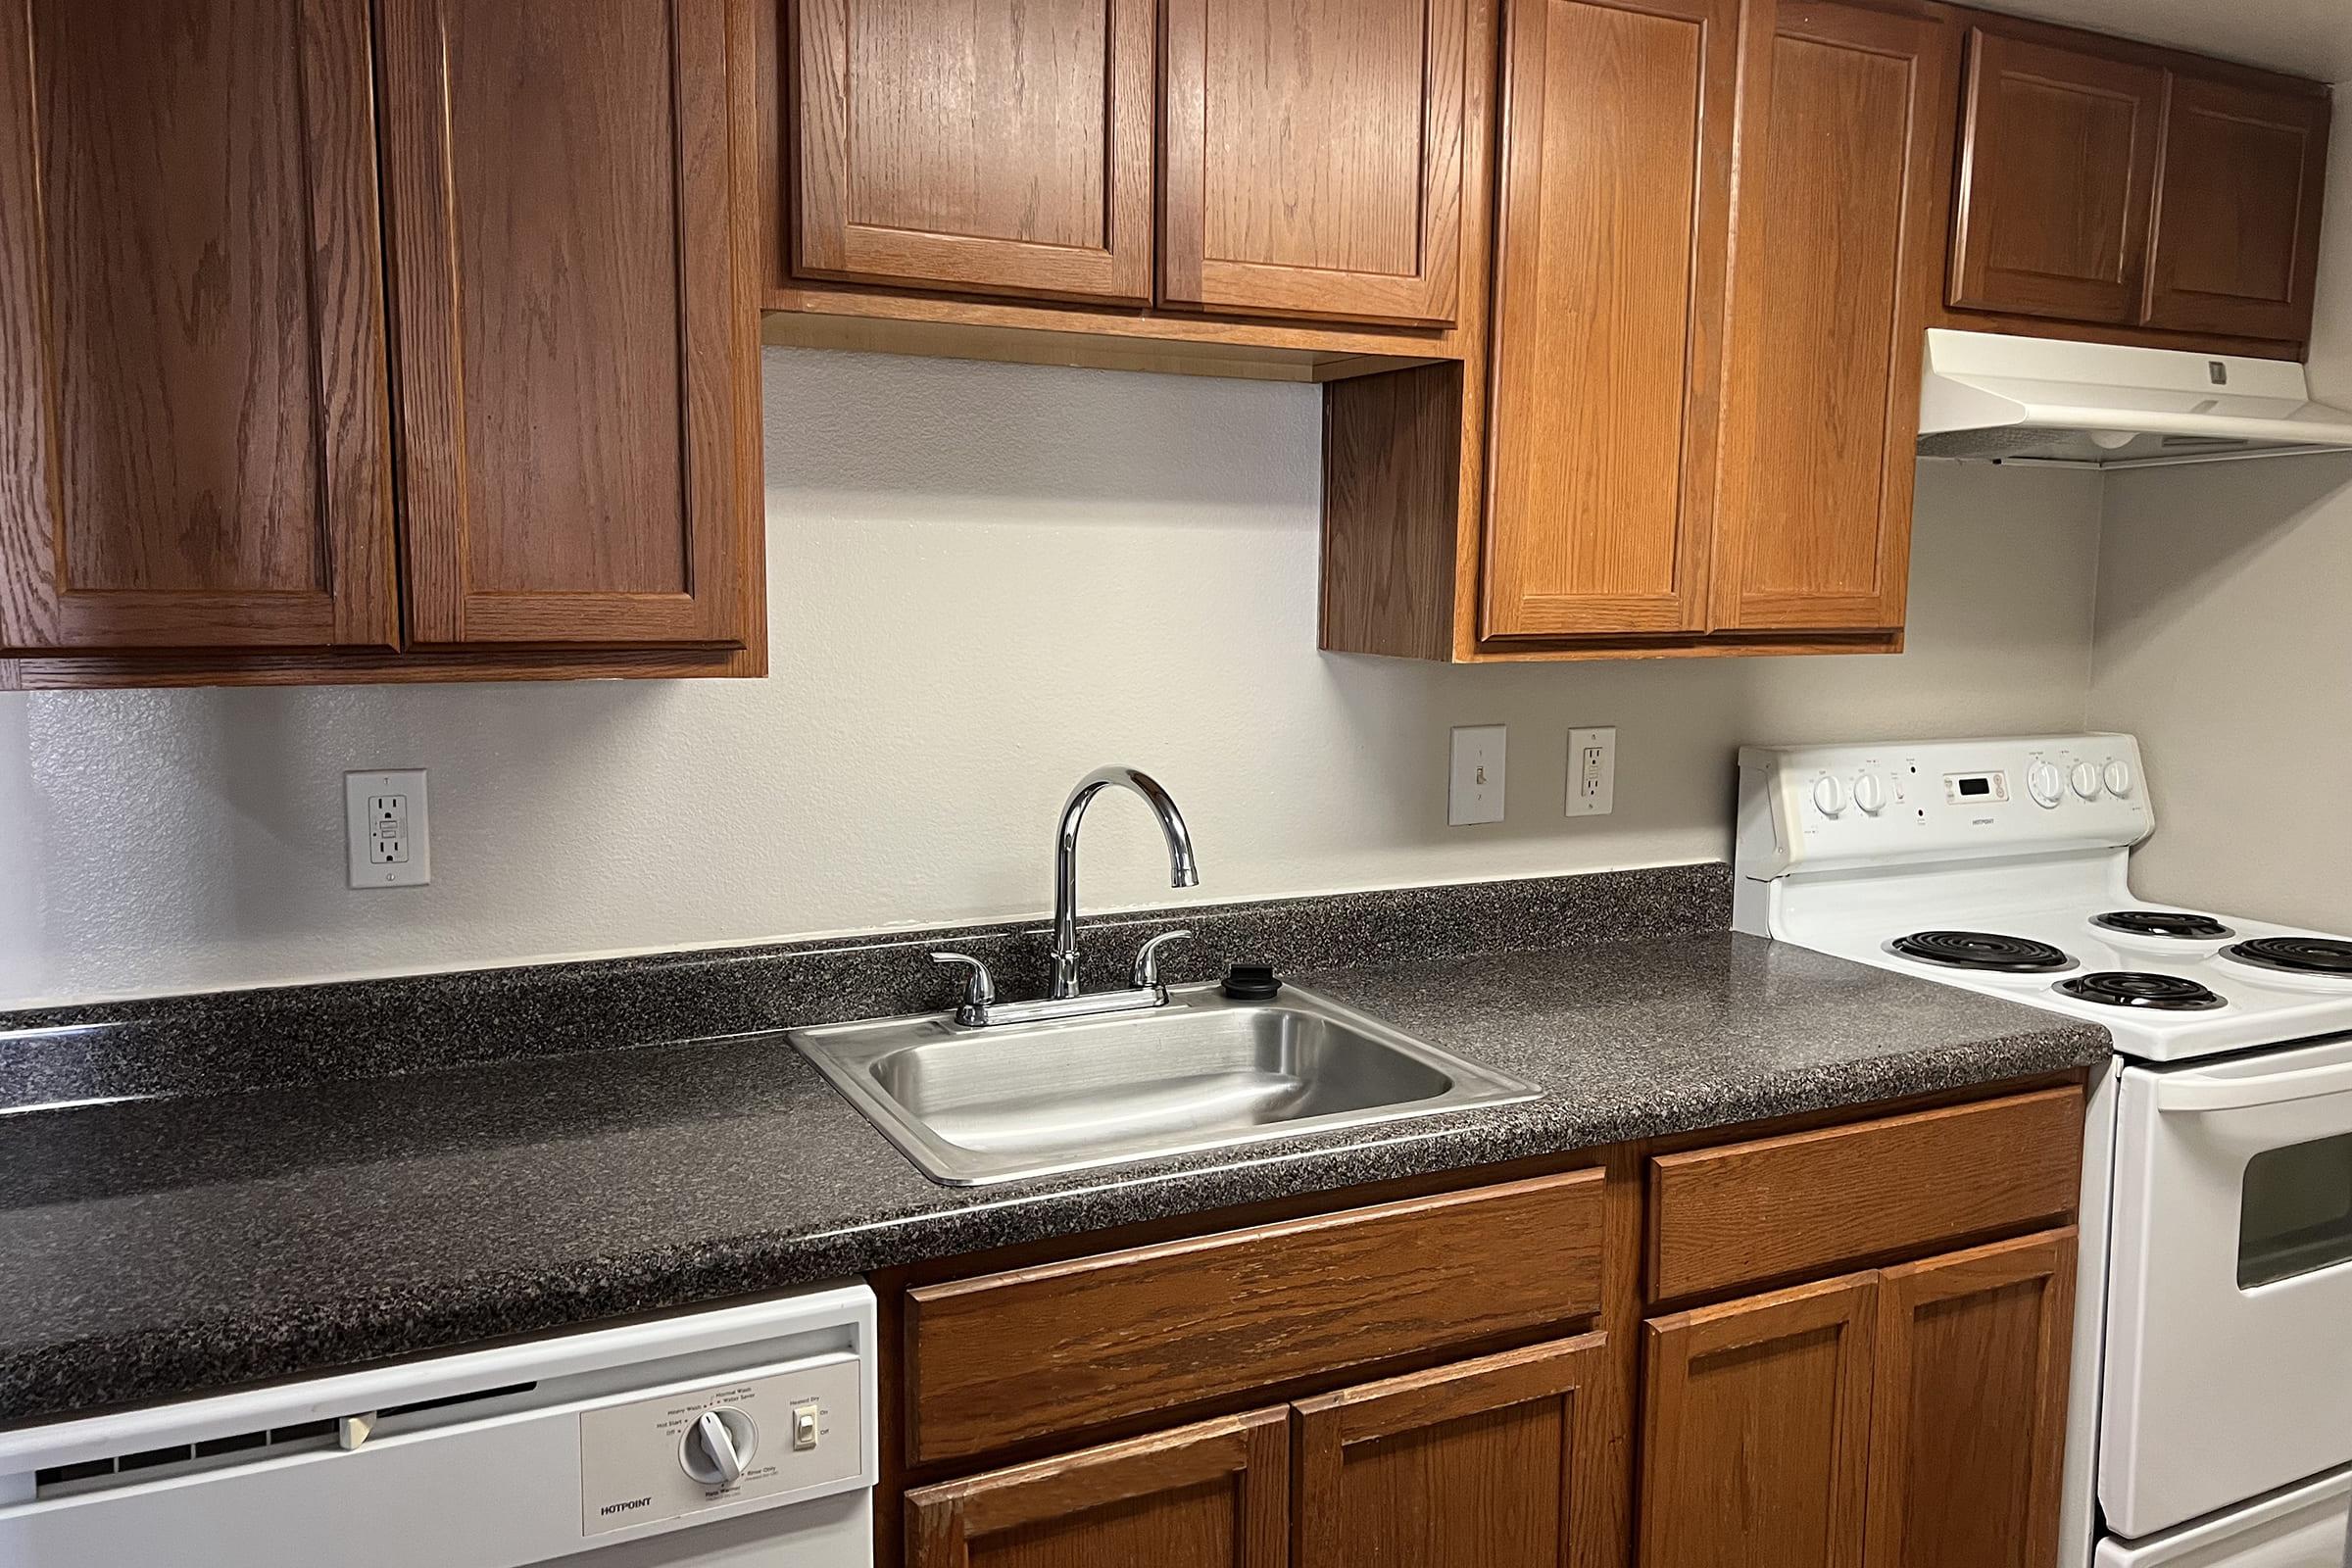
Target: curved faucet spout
[{"x": 1183, "y": 871}]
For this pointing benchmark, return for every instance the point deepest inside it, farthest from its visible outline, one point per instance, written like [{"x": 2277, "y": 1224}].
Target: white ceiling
[{"x": 2307, "y": 38}]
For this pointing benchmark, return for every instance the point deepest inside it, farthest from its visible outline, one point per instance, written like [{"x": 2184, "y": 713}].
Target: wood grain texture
[
  {"x": 1391, "y": 486},
  {"x": 1209, "y": 1496},
  {"x": 376, "y": 668},
  {"x": 1312, "y": 163},
  {"x": 1005, "y": 1358},
  {"x": 562, "y": 185},
  {"x": 1806, "y": 1202},
  {"x": 1944, "y": 314},
  {"x": 1757, "y": 1431},
  {"x": 1613, "y": 220},
  {"x": 998, "y": 147},
  {"x": 2057, "y": 169},
  {"x": 1473, "y": 1465},
  {"x": 193, "y": 405},
  {"x": 1845, "y": 158},
  {"x": 1969, "y": 1435},
  {"x": 2235, "y": 242},
  {"x": 1099, "y": 351}
]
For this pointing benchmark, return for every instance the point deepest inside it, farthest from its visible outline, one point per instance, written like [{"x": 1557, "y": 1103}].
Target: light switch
[
  {"x": 1475, "y": 794},
  {"x": 804, "y": 1427}
]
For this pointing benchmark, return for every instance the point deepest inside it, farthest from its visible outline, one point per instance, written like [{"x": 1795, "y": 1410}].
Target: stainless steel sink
[{"x": 994, "y": 1104}]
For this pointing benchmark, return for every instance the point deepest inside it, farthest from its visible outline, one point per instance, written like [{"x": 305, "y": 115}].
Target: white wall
[
  {"x": 2224, "y": 641},
  {"x": 984, "y": 581}
]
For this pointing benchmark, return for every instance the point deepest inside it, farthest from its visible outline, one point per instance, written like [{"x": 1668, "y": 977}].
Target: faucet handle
[
  {"x": 979, "y": 991},
  {"x": 1146, "y": 960}
]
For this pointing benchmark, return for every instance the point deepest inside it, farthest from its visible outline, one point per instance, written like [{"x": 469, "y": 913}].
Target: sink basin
[{"x": 977, "y": 1105}]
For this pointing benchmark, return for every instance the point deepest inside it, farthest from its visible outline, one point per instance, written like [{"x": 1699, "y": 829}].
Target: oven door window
[{"x": 2295, "y": 1212}]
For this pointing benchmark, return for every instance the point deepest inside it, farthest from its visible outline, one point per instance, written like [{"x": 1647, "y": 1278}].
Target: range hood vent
[{"x": 1988, "y": 397}]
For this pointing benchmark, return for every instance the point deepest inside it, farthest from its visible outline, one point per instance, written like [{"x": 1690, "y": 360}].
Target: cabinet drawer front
[
  {"x": 1005, "y": 1358},
  {"x": 1782, "y": 1208}
]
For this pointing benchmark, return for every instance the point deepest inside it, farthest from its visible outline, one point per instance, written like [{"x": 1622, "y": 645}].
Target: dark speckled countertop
[{"x": 168, "y": 1247}]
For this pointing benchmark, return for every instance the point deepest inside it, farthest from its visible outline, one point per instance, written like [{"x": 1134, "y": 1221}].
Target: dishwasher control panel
[{"x": 765, "y": 1436}]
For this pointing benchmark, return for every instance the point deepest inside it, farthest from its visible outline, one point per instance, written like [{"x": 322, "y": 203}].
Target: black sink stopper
[{"x": 1251, "y": 982}]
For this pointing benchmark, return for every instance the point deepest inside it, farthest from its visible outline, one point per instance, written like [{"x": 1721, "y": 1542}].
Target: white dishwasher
[{"x": 736, "y": 1438}]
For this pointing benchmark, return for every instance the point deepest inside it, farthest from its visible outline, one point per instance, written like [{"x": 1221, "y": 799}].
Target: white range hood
[{"x": 1990, "y": 397}]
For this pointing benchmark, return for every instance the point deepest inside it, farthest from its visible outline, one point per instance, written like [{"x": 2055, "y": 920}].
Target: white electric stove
[{"x": 2213, "y": 1360}]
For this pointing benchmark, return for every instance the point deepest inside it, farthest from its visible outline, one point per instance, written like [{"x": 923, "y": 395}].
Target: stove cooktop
[
  {"x": 2172, "y": 925},
  {"x": 2156, "y": 993}
]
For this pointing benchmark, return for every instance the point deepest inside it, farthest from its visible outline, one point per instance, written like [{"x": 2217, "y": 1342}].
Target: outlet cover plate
[
  {"x": 1592, "y": 772},
  {"x": 387, "y": 834}
]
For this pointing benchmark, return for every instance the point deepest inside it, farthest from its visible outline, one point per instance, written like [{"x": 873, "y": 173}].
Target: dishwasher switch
[{"x": 803, "y": 1426}]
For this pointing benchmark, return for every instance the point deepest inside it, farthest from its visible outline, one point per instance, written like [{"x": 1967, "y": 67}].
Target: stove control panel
[{"x": 1842, "y": 807}]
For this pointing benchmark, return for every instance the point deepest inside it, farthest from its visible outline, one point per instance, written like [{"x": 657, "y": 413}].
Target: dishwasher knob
[{"x": 718, "y": 1445}]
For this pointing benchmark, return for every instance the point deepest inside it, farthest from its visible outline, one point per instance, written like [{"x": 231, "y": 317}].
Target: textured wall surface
[
  {"x": 985, "y": 580},
  {"x": 2224, "y": 641}
]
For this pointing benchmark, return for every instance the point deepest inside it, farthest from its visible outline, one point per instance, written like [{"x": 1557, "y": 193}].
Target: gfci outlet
[
  {"x": 1592, "y": 772},
  {"x": 386, "y": 831},
  {"x": 1474, "y": 793}
]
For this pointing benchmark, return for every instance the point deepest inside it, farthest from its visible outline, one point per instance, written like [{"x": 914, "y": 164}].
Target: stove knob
[
  {"x": 2119, "y": 778},
  {"x": 2045, "y": 784},
  {"x": 1830, "y": 796},
  {"x": 718, "y": 1447},
  {"x": 1869, "y": 793},
  {"x": 2087, "y": 780}
]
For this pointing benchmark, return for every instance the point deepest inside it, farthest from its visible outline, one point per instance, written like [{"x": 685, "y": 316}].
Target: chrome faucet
[{"x": 1063, "y": 999}]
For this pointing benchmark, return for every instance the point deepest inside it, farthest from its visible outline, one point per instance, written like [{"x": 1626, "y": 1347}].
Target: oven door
[
  {"x": 2302, "y": 1527},
  {"x": 2230, "y": 1317}
]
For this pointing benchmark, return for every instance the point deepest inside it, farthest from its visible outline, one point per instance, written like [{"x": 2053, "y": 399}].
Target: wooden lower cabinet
[
  {"x": 1911, "y": 1417},
  {"x": 1209, "y": 1496},
  {"x": 1481, "y": 1465}
]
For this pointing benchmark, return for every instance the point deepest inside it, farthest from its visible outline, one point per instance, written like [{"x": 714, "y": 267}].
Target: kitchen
[{"x": 982, "y": 580}]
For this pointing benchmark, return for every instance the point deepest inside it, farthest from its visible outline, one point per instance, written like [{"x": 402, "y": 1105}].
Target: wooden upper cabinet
[
  {"x": 2236, "y": 247},
  {"x": 576, "y": 333},
  {"x": 1313, "y": 158},
  {"x": 1845, "y": 155},
  {"x": 995, "y": 146},
  {"x": 2058, "y": 163},
  {"x": 1610, "y": 270},
  {"x": 1968, "y": 1443},
  {"x": 1479, "y": 1464},
  {"x": 193, "y": 402},
  {"x": 1758, "y": 1432},
  {"x": 1211, "y": 1495}
]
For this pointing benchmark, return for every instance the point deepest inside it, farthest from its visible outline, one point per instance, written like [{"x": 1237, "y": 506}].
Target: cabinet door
[
  {"x": 1845, "y": 159},
  {"x": 577, "y": 381},
  {"x": 1476, "y": 1465},
  {"x": 1314, "y": 157},
  {"x": 1757, "y": 1432},
  {"x": 1211, "y": 1495},
  {"x": 1615, "y": 194},
  {"x": 1968, "y": 1438},
  {"x": 993, "y": 146},
  {"x": 193, "y": 417},
  {"x": 2237, "y": 244},
  {"x": 2057, "y": 169}
]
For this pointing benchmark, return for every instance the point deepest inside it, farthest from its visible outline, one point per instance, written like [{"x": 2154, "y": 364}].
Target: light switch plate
[
  {"x": 387, "y": 834},
  {"x": 1475, "y": 793},
  {"x": 1592, "y": 772}
]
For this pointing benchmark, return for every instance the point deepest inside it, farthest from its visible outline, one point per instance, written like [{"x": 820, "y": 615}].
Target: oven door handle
[{"x": 2192, "y": 1094}]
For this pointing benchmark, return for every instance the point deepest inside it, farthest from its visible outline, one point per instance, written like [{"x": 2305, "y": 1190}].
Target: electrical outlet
[
  {"x": 1475, "y": 793},
  {"x": 387, "y": 832},
  {"x": 1592, "y": 772}
]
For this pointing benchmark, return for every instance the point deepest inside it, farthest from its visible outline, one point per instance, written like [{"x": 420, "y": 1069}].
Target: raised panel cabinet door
[
  {"x": 1312, "y": 160},
  {"x": 1968, "y": 1441},
  {"x": 1756, "y": 1435},
  {"x": 1845, "y": 159},
  {"x": 579, "y": 380},
  {"x": 194, "y": 447},
  {"x": 1215, "y": 1494},
  {"x": 1617, "y": 130},
  {"x": 985, "y": 146},
  {"x": 1481, "y": 1465},
  {"x": 2057, "y": 174},
  {"x": 2235, "y": 246}
]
